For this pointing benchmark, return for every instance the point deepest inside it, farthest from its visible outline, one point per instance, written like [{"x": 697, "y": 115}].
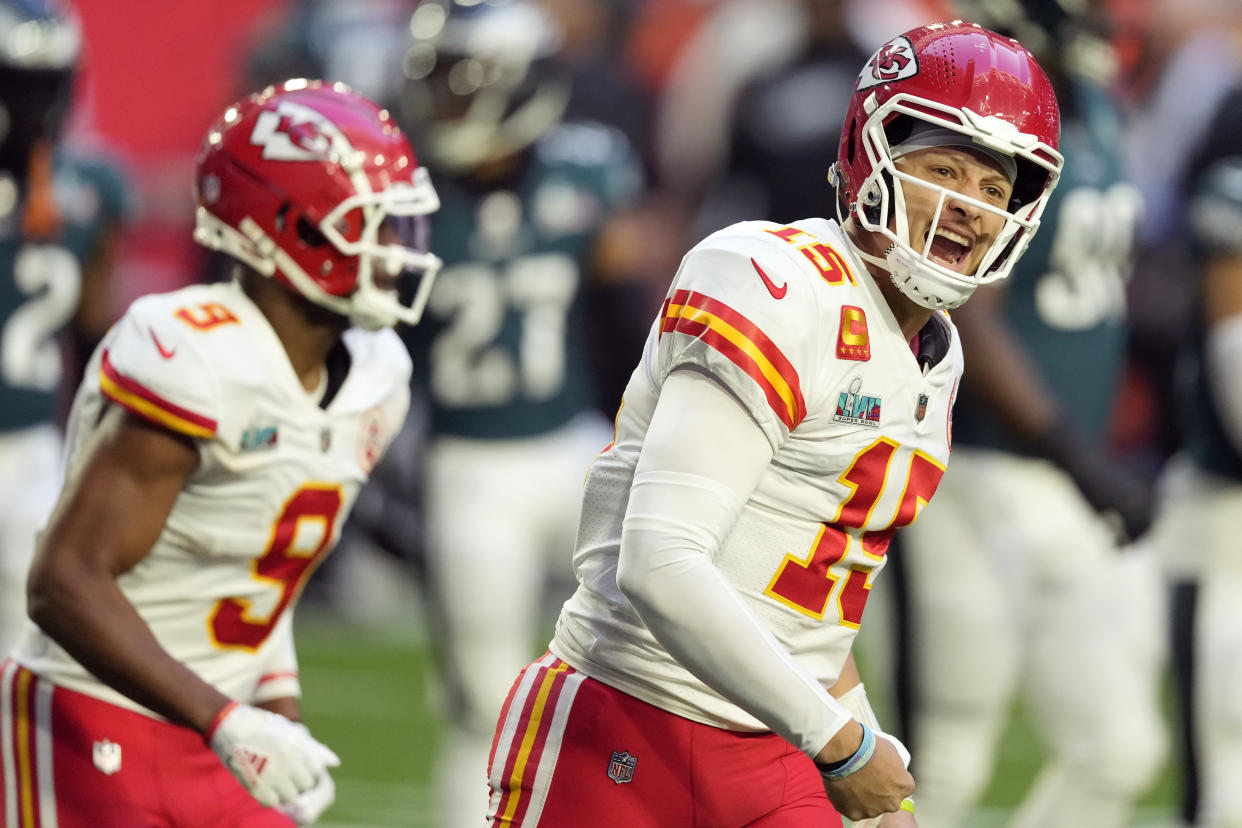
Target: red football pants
[
  {"x": 73, "y": 761},
  {"x": 570, "y": 750}
]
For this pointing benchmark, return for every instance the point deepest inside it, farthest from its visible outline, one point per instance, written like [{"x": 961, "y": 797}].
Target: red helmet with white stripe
[
  {"x": 314, "y": 184},
  {"x": 961, "y": 77}
]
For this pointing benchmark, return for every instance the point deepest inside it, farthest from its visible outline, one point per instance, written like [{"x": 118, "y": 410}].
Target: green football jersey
[
  {"x": 1216, "y": 228},
  {"x": 40, "y": 282},
  {"x": 501, "y": 350},
  {"x": 1065, "y": 299}
]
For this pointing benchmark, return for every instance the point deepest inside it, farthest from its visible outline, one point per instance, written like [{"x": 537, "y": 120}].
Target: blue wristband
[{"x": 854, "y": 764}]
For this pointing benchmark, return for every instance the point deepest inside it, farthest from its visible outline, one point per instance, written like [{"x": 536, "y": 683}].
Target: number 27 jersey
[
  {"x": 786, "y": 319},
  {"x": 276, "y": 478}
]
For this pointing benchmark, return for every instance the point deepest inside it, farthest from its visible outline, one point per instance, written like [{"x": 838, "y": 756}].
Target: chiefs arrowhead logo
[
  {"x": 293, "y": 132},
  {"x": 894, "y": 61}
]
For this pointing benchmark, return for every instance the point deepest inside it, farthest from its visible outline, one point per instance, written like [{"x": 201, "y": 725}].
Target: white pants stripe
[
  {"x": 515, "y": 728},
  {"x": 43, "y": 753},
  {"x": 7, "y": 761}
]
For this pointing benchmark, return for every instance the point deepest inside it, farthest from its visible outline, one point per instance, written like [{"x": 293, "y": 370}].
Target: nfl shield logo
[
  {"x": 621, "y": 766},
  {"x": 107, "y": 756},
  {"x": 920, "y": 410}
]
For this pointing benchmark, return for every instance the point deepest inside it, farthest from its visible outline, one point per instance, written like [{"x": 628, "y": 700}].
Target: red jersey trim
[
  {"x": 744, "y": 344},
  {"x": 151, "y": 406}
]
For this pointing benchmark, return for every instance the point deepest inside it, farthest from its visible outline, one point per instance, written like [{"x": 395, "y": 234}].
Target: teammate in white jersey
[
  {"x": 215, "y": 447},
  {"x": 792, "y": 408}
]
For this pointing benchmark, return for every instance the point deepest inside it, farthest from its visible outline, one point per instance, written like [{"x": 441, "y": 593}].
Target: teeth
[{"x": 957, "y": 238}]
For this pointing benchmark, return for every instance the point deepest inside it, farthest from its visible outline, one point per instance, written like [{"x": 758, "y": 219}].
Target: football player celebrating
[
  {"x": 216, "y": 445},
  {"x": 791, "y": 410},
  {"x": 61, "y": 214}
]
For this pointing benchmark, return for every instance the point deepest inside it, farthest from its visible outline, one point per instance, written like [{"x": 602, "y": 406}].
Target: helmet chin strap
[
  {"x": 902, "y": 265},
  {"x": 898, "y": 268}
]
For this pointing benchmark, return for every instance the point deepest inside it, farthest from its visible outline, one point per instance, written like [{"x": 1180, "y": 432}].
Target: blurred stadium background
[{"x": 151, "y": 82}]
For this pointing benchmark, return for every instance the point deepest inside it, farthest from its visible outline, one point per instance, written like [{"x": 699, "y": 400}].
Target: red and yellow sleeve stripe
[
  {"x": 743, "y": 344},
  {"x": 151, "y": 406}
]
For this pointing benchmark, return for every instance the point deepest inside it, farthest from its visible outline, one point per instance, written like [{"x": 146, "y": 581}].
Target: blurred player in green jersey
[
  {"x": 533, "y": 247},
  {"x": 1197, "y": 532},
  {"x": 59, "y": 219},
  {"x": 1018, "y": 583}
]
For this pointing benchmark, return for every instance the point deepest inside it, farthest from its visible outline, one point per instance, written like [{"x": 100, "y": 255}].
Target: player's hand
[
  {"x": 311, "y": 804},
  {"x": 876, "y": 789},
  {"x": 900, "y": 818},
  {"x": 275, "y": 758},
  {"x": 1125, "y": 499}
]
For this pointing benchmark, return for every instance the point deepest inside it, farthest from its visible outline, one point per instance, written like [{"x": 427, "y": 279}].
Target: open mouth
[{"x": 950, "y": 248}]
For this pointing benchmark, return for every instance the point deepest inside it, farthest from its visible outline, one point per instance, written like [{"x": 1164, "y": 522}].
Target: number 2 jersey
[
  {"x": 41, "y": 281},
  {"x": 789, "y": 322},
  {"x": 276, "y": 477}
]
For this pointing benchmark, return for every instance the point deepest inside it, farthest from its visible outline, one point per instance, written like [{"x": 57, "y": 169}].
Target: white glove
[
  {"x": 310, "y": 805},
  {"x": 275, "y": 758}
]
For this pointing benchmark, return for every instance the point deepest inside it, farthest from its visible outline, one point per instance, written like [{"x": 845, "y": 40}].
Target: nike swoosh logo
[
  {"x": 166, "y": 354},
  {"x": 777, "y": 292}
]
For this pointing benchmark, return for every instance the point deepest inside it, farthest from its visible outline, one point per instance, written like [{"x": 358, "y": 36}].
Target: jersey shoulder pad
[
  {"x": 740, "y": 310},
  {"x": 381, "y": 353},
  {"x": 155, "y": 366},
  {"x": 382, "y": 365},
  {"x": 378, "y": 389}
]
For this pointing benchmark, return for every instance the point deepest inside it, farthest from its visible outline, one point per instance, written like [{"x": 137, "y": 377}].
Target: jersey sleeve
[
  {"x": 738, "y": 312},
  {"x": 151, "y": 366}
]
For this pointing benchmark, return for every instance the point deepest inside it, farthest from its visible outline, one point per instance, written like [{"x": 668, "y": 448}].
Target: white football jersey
[
  {"x": 277, "y": 475},
  {"x": 788, "y": 320}
]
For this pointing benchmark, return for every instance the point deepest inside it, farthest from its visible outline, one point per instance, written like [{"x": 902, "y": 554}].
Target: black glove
[{"x": 1125, "y": 498}]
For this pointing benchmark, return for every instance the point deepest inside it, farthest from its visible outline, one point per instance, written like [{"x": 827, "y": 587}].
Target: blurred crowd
[{"x": 692, "y": 115}]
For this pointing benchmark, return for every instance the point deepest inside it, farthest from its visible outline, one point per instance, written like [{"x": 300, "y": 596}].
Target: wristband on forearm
[{"x": 847, "y": 767}]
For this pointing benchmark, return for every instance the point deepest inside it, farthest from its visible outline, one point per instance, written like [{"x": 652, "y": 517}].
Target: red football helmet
[
  {"x": 299, "y": 180},
  {"x": 973, "y": 81}
]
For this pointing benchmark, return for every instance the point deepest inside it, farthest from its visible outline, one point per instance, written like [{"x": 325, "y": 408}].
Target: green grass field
[{"x": 366, "y": 694}]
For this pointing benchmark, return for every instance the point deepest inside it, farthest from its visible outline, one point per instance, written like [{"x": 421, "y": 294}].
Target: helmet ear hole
[
  {"x": 308, "y": 234},
  {"x": 872, "y": 197}
]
